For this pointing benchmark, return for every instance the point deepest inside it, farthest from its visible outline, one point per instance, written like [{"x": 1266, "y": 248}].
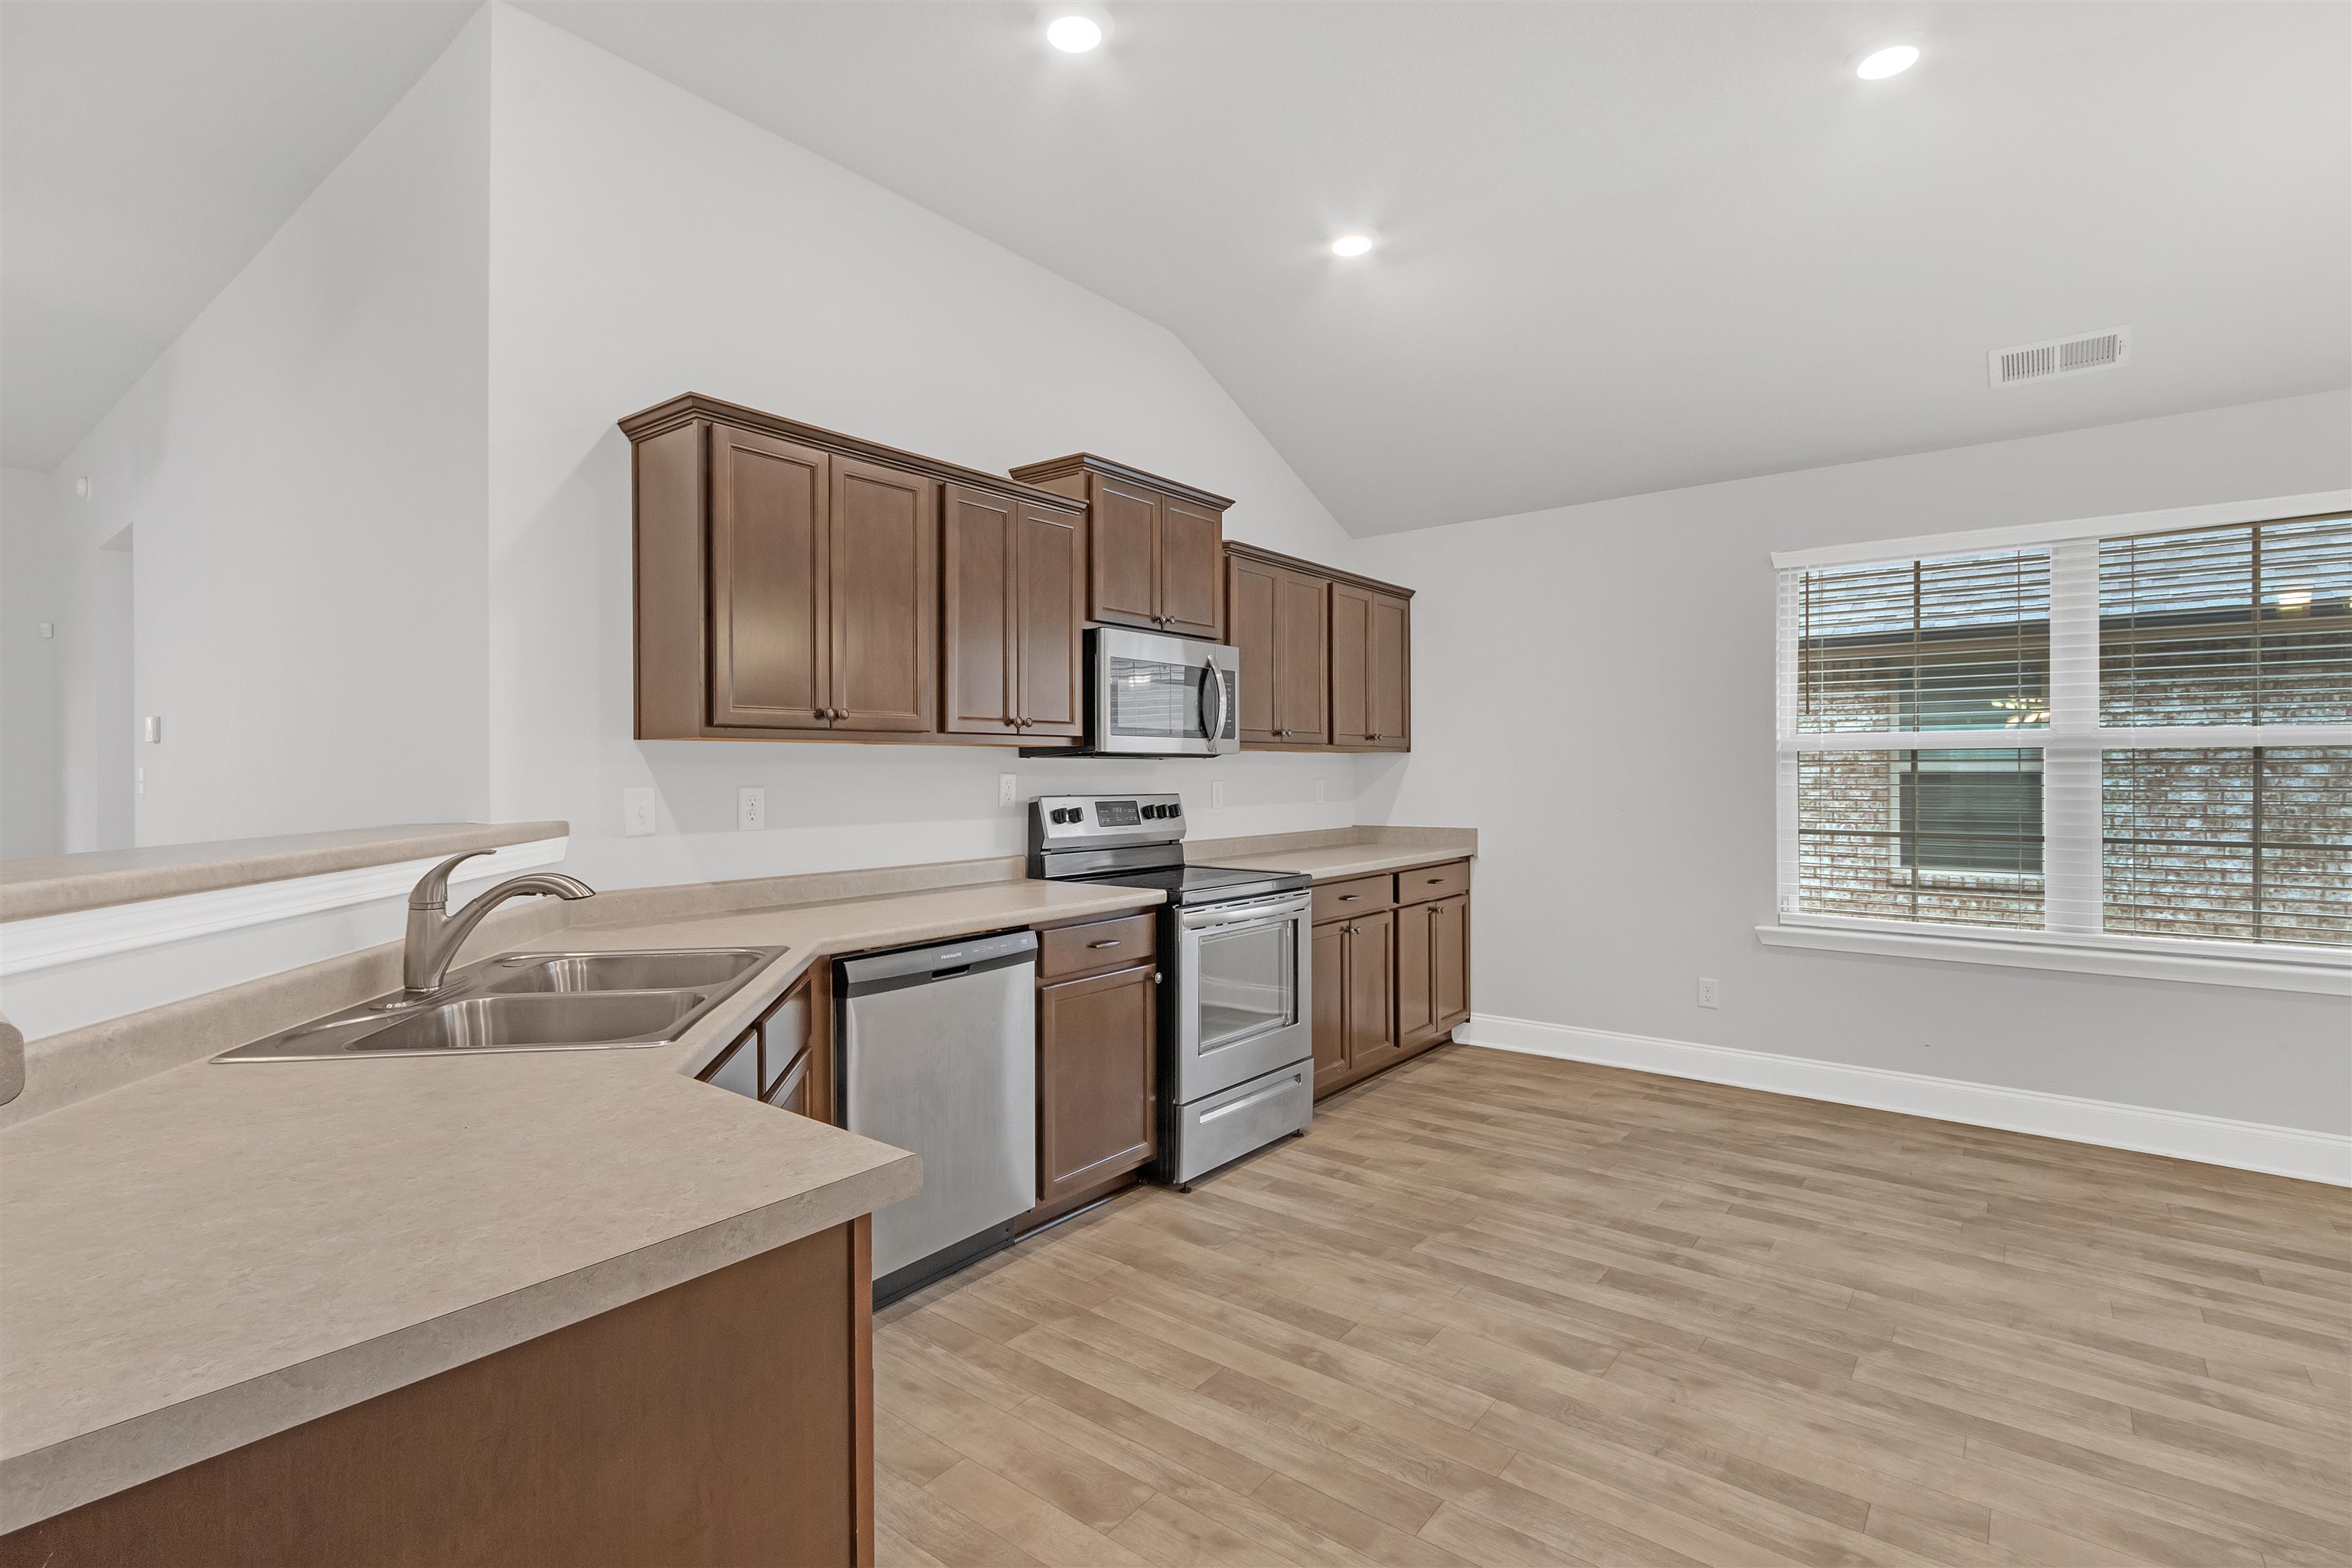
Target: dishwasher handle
[{"x": 935, "y": 961}]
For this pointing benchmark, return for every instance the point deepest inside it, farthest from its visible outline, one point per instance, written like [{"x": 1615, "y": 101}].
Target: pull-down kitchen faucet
[{"x": 435, "y": 935}]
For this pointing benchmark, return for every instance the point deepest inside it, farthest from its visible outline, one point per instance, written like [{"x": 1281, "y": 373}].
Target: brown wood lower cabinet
[
  {"x": 1097, "y": 1091},
  {"x": 728, "y": 1419},
  {"x": 1355, "y": 1000},
  {"x": 1392, "y": 983},
  {"x": 786, "y": 1058},
  {"x": 1098, "y": 1058}
]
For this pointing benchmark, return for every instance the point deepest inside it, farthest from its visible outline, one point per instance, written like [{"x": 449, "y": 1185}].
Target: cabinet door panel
[
  {"x": 1192, "y": 574},
  {"x": 1330, "y": 944},
  {"x": 1450, "y": 963},
  {"x": 1416, "y": 1017},
  {"x": 1302, "y": 635},
  {"x": 1050, "y": 595},
  {"x": 1390, "y": 699},
  {"x": 1097, "y": 1101},
  {"x": 1371, "y": 979},
  {"x": 1251, "y": 590},
  {"x": 1124, "y": 556},
  {"x": 979, "y": 614},
  {"x": 1351, "y": 667},
  {"x": 883, "y": 563},
  {"x": 770, "y": 661}
]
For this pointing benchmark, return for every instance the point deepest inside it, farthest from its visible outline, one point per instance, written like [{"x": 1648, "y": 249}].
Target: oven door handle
[{"x": 1249, "y": 911}]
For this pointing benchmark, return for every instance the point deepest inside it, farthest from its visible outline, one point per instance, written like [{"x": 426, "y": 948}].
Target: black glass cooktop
[{"x": 1207, "y": 884}]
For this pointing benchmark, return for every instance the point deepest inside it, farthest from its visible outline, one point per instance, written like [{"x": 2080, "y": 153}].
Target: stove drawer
[
  {"x": 1069, "y": 951},
  {"x": 1224, "y": 1126}
]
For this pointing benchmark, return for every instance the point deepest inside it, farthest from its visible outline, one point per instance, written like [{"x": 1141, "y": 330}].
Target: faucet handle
[{"x": 432, "y": 890}]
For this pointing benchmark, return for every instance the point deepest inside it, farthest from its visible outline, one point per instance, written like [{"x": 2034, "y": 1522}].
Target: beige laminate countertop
[
  {"x": 62, "y": 884},
  {"x": 215, "y": 1252},
  {"x": 1347, "y": 860}
]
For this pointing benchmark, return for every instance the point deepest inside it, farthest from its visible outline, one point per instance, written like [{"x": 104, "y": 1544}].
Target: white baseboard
[{"x": 2212, "y": 1140}]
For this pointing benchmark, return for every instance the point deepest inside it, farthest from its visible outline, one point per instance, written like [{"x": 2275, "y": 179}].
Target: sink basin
[
  {"x": 533, "y": 1023},
  {"x": 592, "y": 972},
  {"x": 530, "y": 1002}
]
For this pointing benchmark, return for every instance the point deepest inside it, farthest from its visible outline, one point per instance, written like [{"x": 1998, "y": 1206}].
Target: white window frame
[{"x": 2071, "y": 940}]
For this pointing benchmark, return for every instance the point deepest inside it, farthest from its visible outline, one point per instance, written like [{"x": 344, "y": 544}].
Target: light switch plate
[
  {"x": 751, "y": 808},
  {"x": 637, "y": 811}
]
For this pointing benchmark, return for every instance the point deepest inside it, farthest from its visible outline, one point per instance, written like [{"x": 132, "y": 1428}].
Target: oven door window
[
  {"x": 1248, "y": 980},
  {"x": 1150, "y": 700}
]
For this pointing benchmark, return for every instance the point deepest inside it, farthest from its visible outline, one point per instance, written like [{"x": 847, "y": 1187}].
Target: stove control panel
[{"x": 1075, "y": 821}]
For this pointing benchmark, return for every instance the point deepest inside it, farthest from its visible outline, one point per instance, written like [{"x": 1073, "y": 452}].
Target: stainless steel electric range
[{"x": 1236, "y": 1019}]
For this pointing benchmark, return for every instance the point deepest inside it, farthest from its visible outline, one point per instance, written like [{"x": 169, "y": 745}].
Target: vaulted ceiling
[
  {"x": 1622, "y": 247},
  {"x": 148, "y": 149}
]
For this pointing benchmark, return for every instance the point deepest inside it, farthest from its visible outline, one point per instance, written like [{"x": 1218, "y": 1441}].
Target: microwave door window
[
  {"x": 1154, "y": 701},
  {"x": 1248, "y": 983}
]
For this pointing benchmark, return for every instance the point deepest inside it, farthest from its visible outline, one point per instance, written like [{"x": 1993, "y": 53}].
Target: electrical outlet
[
  {"x": 1217, "y": 794},
  {"x": 1008, "y": 786},
  {"x": 637, "y": 811},
  {"x": 751, "y": 808},
  {"x": 141, "y": 773},
  {"x": 1318, "y": 792},
  {"x": 1709, "y": 993}
]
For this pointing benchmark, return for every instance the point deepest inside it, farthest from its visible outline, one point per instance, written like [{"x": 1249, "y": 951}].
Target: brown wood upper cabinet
[
  {"x": 1326, "y": 656},
  {"x": 1371, "y": 654},
  {"x": 1156, "y": 547},
  {"x": 1014, "y": 607},
  {"x": 788, "y": 587},
  {"x": 1280, "y": 620}
]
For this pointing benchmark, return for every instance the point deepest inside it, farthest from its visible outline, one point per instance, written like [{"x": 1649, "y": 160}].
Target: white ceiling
[
  {"x": 1626, "y": 246},
  {"x": 148, "y": 149}
]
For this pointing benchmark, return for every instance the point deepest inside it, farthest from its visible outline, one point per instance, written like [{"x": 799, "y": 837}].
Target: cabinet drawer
[
  {"x": 1424, "y": 883},
  {"x": 1066, "y": 951},
  {"x": 1356, "y": 896}
]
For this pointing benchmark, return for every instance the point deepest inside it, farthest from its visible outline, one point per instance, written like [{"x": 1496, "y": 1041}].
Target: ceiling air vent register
[{"x": 2055, "y": 357}]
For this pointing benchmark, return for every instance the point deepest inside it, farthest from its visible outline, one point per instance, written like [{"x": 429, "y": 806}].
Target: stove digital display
[{"x": 1118, "y": 814}]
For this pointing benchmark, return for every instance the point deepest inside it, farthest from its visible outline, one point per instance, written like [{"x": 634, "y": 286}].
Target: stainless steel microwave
[{"x": 1151, "y": 695}]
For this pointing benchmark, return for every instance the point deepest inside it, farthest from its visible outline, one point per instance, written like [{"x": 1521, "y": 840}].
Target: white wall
[
  {"x": 644, "y": 242},
  {"x": 33, "y": 590},
  {"x": 305, "y": 473},
  {"x": 1615, "y": 871}
]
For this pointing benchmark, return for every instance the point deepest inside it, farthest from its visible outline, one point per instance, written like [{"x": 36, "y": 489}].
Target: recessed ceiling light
[
  {"x": 1892, "y": 60},
  {"x": 1073, "y": 33},
  {"x": 1351, "y": 245}
]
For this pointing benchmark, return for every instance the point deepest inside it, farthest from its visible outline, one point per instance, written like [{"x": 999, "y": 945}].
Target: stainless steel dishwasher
[{"x": 939, "y": 1055}]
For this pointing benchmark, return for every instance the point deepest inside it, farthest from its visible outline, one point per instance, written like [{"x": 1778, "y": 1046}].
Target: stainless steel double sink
[{"x": 531, "y": 1001}]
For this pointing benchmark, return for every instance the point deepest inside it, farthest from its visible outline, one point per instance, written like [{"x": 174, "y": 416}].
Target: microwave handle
[{"x": 1214, "y": 677}]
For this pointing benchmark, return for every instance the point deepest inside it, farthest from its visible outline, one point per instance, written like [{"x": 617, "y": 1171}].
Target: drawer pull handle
[
  {"x": 1350, "y": 898},
  {"x": 1113, "y": 942},
  {"x": 1434, "y": 880}
]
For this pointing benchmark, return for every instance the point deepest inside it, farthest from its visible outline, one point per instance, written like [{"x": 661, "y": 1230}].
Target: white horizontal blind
[{"x": 2147, "y": 735}]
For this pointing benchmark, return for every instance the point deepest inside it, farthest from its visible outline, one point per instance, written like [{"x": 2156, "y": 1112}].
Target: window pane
[
  {"x": 1953, "y": 838},
  {"x": 1956, "y": 643},
  {"x": 2234, "y": 844},
  {"x": 2246, "y": 624}
]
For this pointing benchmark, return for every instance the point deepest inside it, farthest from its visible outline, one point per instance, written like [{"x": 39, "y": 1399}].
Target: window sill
[{"x": 2267, "y": 972}]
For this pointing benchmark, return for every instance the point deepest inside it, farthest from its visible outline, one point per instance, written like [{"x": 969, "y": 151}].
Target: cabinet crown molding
[
  {"x": 1087, "y": 462},
  {"x": 1313, "y": 568},
  {"x": 689, "y": 406}
]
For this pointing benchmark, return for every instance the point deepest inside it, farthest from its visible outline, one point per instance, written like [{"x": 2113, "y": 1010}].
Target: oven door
[
  {"x": 1153, "y": 696},
  {"x": 1241, "y": 1006}
]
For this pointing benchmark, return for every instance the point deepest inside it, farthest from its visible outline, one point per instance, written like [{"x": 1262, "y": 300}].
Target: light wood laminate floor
[{"x": 1500, "y": 1310}]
